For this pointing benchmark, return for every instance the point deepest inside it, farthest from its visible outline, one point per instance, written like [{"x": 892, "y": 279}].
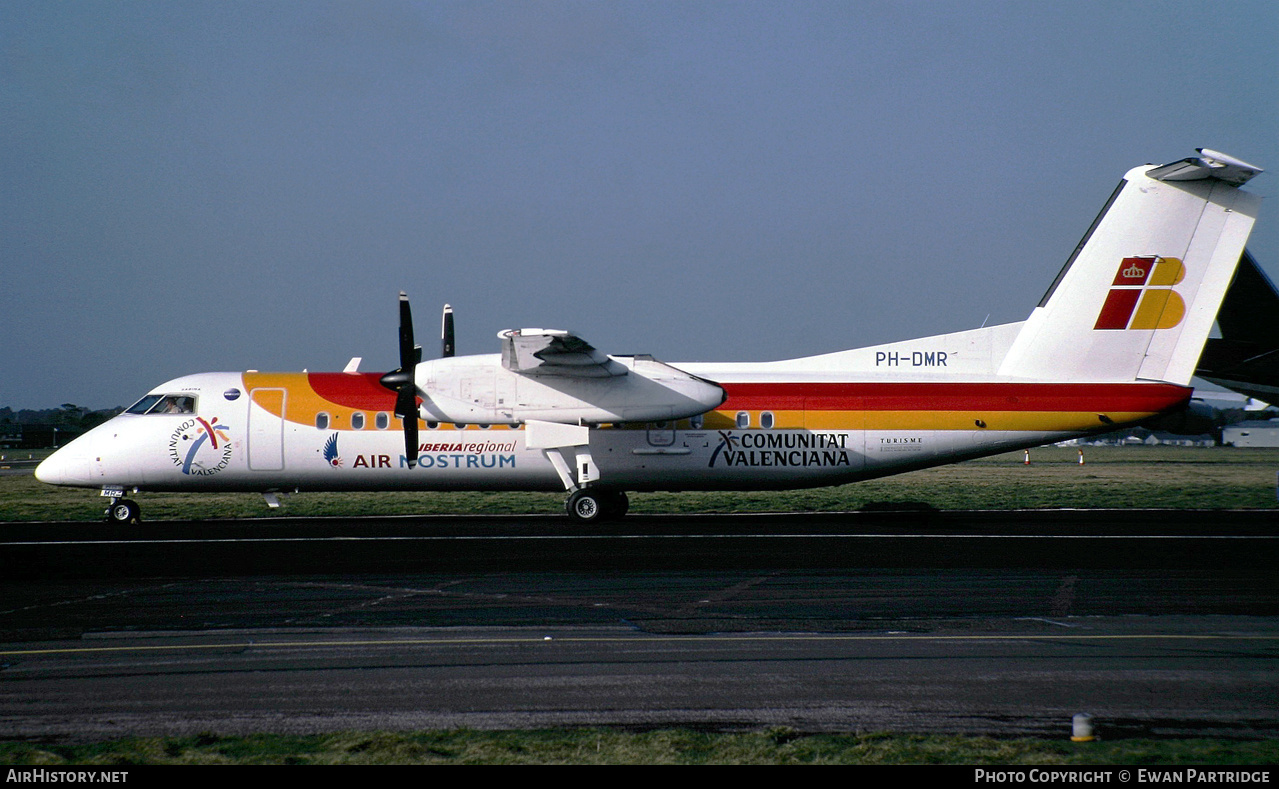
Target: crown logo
[{"x": 1134, "y": 272}]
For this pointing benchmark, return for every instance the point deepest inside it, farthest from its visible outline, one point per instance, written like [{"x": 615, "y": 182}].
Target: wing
[{"x": 555, "y": 352}]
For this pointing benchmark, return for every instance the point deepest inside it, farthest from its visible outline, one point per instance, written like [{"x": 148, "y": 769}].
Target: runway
[{"x": 1159, "y": 623}]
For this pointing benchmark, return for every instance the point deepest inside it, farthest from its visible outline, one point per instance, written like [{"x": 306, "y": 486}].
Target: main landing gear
[
  {"x": 123, "y": 512},
  {"x": 588, "y": 505}
]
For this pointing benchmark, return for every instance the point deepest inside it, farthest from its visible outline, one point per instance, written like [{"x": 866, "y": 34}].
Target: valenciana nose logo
[
  {"x": 200, "y": 447},
  {"x": 1142, "y": 295}
]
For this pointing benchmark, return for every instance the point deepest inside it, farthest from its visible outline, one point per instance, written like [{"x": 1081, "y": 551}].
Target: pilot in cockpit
[{"x": 178, "y": 404}]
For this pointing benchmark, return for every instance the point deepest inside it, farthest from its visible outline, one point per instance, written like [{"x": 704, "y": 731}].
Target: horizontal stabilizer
[{"x": 1209, "y": 164}]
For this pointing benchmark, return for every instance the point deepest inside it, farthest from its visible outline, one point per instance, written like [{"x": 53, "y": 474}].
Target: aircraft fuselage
[{"x": 336, "y": 431}]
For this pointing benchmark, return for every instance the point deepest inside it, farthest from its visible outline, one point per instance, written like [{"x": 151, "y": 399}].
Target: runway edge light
[{"x": 1081, "y": 728}]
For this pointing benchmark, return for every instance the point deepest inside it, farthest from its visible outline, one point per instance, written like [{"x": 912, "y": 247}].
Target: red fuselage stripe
[
  {"x": 363, "y": 391},
  {"x": 954, "y": 397}
]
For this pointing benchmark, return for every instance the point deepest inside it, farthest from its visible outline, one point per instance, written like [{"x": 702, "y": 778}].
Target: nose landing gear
[{"x": 123, "y": 512}]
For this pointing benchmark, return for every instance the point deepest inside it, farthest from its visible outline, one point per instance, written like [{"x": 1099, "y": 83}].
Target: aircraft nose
[{"x": 64, "y": 468}]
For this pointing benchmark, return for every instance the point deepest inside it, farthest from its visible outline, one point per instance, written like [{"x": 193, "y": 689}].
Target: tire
[
  {"x": 124, "y": 511},
  {"x": 618, "y": 504},
  {"x": 585, "y": 506}
]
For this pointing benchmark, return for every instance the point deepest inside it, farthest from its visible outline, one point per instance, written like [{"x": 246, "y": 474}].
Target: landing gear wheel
[
  {"x": 589, "y": 506},
  {"x": 585, "y": 506},
  {"x": 617, "y": 504},
  {"x": 124, "y": 511}
]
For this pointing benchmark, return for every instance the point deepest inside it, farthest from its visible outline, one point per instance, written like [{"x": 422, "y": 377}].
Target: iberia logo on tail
[{"x": 1141, "y": 297}]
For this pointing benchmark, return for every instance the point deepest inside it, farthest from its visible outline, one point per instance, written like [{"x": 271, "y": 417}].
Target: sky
[{"x": 190, "y": 186}]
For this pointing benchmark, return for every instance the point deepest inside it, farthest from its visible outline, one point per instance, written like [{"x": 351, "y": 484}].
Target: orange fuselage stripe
[{"x": 815, "y": 406}]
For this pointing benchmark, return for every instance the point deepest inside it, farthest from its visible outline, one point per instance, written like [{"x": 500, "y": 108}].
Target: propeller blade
[
  {"x": 410, "y": 354},
  {"x": 403, "y": 382},
  {"x": 410, "y": 439},
  {"x": 406, "y": 410},
  {"x": 406, "y": 401},
  {"x": 446, "y": 333}
]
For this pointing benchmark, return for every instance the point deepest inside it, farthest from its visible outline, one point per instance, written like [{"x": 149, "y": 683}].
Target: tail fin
[{"x": 1139, "y": 295}]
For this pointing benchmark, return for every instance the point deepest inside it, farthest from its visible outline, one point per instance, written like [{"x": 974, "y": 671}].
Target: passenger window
[
  {"x": 357, "y": 420},
  {"x": 383, "y": 420},
  {"x": 743, "y": 420},
  {"x": 696, "y": 422},
  {"x": 322, "y": 421},
  {"x": 766, "y": 420}
]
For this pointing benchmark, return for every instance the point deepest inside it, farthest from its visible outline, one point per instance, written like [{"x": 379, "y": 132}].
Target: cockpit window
[
  {"x": 164, "y": 404},
  {"x": 143, "y": 405}
]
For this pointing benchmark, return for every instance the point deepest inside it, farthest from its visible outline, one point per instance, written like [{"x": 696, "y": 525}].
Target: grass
[
  {"x": 610, "y": 746},
  {"x": 1111, "y": 477}
]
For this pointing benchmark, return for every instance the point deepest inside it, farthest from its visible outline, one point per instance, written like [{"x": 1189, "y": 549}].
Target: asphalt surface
[{"x": 1156, "y": 623}]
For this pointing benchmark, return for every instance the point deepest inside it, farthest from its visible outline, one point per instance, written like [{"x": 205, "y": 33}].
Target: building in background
[{"x": 1252, "y": 433}]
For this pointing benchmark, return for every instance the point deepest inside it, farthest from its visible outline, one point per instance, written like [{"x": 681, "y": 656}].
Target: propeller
[
  {"x": 446, "y": 333},
  {"x": 402, "y": 381}
]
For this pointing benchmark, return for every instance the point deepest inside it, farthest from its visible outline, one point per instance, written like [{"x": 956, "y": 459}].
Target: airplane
[{"x": 1113, "y": 342}]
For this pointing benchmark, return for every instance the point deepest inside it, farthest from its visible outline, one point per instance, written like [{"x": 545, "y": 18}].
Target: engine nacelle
[{"x": 481, "y": 390}]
